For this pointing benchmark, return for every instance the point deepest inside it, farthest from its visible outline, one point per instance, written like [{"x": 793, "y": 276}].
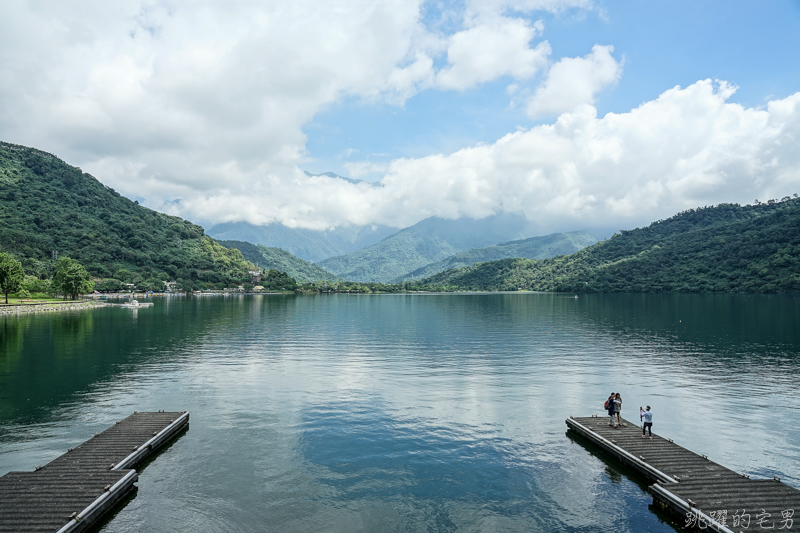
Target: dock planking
[
  {"x": 703, "y": 493},
  {"x": 76, "y": 489}
]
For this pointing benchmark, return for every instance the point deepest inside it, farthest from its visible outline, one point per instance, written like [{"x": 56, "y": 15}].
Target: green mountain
[
  {"x": 727, "y": 248},
  {"x": 306, "y": 244},
  {"x": 276, "y": 259},
  {"x": 431, "y": 240},
  {"x": 533, "y": 248},
  {"x": 49, "y": 207}
]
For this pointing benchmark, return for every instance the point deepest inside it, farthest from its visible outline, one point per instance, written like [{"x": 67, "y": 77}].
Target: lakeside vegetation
[
  {"x": 50, "y": 209},
  {"x": 69, "y": 280}
]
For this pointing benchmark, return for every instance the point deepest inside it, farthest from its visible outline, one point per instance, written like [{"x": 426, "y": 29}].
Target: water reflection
[{"x": 407, "y": 412}]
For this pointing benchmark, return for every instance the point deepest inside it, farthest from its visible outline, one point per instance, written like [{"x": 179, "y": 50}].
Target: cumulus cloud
[
  {"x": 198, "y": 108},
  {"x": 573, "y": 81},
  {"x": 360, "y": 169},
  {"x": 688, "y": 147},
  {"x": 173, "y": 98},
  {"x": 492, "y": 49}
]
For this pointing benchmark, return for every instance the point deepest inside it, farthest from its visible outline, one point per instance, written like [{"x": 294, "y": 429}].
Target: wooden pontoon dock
[
  {"x": 73, "y": 491},
  {"x": 703, "y": 493}
]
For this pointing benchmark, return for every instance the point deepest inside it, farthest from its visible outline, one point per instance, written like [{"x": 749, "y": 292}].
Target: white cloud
[
  {"x": 210, "y": 82},
  {"x": 189, "y": 92},
  {"x": 688, "y": 147},
  {"x": 360, "y": 169},
  {"x": 204, "y": 102},
  {"x": 500, "y": 47},
  {"x": 574, "y": 81}
]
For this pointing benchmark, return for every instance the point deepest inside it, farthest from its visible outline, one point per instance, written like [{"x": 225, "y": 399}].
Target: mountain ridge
[
  {"x": 268, "y": 258},
  {"x": 532, "y": 248},
  {"x": 430, "y": 240},
  {"x": 724, "y": 248},
  {"x": 50, "y": 207}
]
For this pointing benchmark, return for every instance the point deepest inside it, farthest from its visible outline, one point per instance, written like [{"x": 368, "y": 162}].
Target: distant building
[
  {"x": 255, "y": 275},
  {"x": 240, "y": 288}
]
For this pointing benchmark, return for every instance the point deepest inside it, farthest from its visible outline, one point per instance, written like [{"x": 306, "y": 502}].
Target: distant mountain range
[
  {"x": 431, "y": 240},
  {"x": 533, "y": 248},
  {"x": 310, "y": 245},
  {"x": 281, "y": 260},
  {"x": 726, "y": 248},
  {"x": 382, "y": 254}
]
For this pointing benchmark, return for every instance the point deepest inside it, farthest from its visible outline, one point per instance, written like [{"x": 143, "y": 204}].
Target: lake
[{"x": 424, "y": 412}]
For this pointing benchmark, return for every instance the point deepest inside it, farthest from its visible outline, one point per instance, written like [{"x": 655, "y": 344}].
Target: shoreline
[{"x": 14, "y": 309}]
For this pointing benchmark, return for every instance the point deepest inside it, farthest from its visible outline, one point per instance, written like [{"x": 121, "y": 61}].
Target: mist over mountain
[
  {"x": 534, "y": 248},
  {"x": 310, "y": 245},
  {"x": 428, "y": 241}
]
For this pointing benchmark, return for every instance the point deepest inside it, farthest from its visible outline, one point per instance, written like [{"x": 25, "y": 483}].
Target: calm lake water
[{"x": 405, "y": 412}]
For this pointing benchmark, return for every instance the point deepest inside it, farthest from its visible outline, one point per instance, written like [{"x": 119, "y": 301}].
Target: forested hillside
[
  {"x": 48, "y": 207},
  {"x": 533, "y": 248},
  {"x": 726, "y": 248},
  {"x": 268, "y": 258}
]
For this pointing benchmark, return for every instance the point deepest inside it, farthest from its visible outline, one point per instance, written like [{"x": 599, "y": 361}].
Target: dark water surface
[{"x": 405, "y": 412}]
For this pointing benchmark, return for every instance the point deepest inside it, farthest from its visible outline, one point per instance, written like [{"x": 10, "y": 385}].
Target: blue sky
[
  {"x": 663, "y": 44},
  {"x": 573, "y": 113}
]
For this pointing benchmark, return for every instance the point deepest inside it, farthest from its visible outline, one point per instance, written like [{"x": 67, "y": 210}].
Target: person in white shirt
[{"x": 647, "y": 417}]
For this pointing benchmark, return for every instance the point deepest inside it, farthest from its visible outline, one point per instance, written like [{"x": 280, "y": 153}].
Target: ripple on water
[{"x": 404, "y": 413}]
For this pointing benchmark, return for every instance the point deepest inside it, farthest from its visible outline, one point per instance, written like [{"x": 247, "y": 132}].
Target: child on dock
[{"x": 647, "y": 417}]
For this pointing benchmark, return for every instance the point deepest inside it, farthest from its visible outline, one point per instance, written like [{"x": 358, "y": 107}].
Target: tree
[
  {"x": 11, "y": 274},
  {"x": 33, "y": 284},
  {"x": 71, "y": 279}
]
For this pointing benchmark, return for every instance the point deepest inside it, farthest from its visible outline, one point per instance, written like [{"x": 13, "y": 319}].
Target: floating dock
[
  {"x": 703, "y": 493},
  {"x": 73, "y": 491}
]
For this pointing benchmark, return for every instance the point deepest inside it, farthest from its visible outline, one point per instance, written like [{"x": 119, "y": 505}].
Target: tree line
[{"x": 70, "y": 279}]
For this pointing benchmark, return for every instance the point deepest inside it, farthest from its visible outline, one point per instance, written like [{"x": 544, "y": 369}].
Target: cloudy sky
[{"x": 576, "y": 113}]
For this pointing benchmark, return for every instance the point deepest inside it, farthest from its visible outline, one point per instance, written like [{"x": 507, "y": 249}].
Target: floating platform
[
  {"x": 73, "y": 491},
  {"x": 703, "y": 493}
]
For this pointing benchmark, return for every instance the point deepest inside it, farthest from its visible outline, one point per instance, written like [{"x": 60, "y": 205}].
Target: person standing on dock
[
  {"x": 617, "y": 409},
  {"x": 647, "y": 416},
  {"x": 609, "y": 405}
]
